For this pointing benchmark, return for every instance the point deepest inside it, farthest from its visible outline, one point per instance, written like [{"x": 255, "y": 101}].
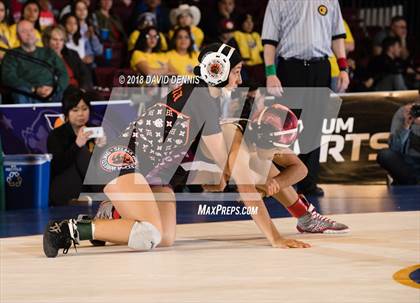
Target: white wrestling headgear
[{"x": 215, "y": 66}]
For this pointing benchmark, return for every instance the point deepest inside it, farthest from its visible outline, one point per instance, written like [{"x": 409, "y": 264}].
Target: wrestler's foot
[
  {"x": 314, "y": 222},
  {"x": 60, "y": 234}
]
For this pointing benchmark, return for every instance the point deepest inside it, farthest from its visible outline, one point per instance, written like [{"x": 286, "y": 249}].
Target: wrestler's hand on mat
[
  {"x": 215, "y": 188},
  {"x": 289, "y": 243},
  {"x": 272, "y": 187}
]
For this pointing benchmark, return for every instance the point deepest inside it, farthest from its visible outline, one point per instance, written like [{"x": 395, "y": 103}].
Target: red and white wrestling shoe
[
  {"x": 107, "y": 211},
  {"x": 314, "y": 222}
]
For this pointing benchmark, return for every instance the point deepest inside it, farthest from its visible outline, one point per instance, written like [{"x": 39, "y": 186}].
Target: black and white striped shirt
[{"x": 302, "y": 29}]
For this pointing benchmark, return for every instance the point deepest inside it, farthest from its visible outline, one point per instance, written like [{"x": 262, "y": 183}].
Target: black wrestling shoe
[{"x": 60, "y": 234}]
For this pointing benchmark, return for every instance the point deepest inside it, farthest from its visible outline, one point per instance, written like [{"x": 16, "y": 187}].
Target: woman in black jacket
[
  {"x": 71, "y": 148},
  {"x": 54, "y": 37}
]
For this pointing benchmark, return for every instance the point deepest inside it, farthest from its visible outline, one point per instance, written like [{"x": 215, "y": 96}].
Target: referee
[{"x": 300, "y": 36}]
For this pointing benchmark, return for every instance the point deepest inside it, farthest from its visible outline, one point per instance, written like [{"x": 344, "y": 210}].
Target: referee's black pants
[{"x": 294, "y": 73}]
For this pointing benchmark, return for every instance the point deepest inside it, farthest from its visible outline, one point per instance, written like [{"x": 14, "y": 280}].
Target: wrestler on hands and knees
[{"x": 271, "y": 133}]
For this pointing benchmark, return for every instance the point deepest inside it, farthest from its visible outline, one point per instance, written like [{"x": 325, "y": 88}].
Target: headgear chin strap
[{"x": 215, "y": 66}]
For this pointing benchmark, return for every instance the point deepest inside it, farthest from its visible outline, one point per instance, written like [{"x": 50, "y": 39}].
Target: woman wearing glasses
[{"x": 147, "y": 57}]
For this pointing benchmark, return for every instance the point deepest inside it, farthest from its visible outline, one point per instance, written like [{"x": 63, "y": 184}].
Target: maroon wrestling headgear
[{"x": 274, "y": 126}]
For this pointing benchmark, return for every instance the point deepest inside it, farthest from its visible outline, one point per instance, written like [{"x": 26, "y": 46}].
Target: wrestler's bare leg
[{"x": 131, "y": 210}]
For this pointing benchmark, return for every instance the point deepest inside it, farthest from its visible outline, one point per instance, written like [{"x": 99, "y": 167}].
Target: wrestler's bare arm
[{"x": 240, "y": 173}]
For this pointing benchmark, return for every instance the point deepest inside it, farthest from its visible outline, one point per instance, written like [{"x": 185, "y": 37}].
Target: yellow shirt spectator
[
  {"x": 335, "y": 70},
  {"x": 250, "y": 47},
  {"x": 154, "y": 60},
  {"x": 183, "y": 65},
  {"x": 135, "y": 35},
  {"x": 6, "y": 37},
  {"x": 197, "y": 35},
  {"x": 16, "y": 42}
]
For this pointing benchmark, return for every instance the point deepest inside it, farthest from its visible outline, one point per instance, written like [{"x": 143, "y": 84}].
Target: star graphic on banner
[{"x": 7, "y": 123}]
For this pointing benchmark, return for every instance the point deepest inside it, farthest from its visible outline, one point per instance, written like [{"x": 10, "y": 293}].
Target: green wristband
[{"x": 270, "y": 70}]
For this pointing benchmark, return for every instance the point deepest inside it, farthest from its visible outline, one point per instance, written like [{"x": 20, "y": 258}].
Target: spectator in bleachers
[
  {"x": 147, "y": 57},
  {"x": 71, "y": 148},
  {"x": 80, "y": 9},
  {"x": 70, "y": 7},
  {"x": 109, "y": 22},
  {"x": 224, "y": 10},
  {"x": 26, "y": 73},
  {"x": 46, "y": 16},
  {"x": 74, "y": 38},
  {"x": 87, "y": 45},
  {"x": 65, "y": 10},
  {"x": 15, "y": 7},
  {"x": 146, "y": 20},
  {"x": 225, "y": 28},
  {"x": 156, "y": 8},
  {"x": 251, "y": 49},
  {"x": 124, "y": 10},
  {"x": 349, "y": 45},
  {"x": 186, "y": 15},
  {"x": 363, "y": 82},
  {"x": 30, "y": 12},
  {"x": 86, "y": 26},
  {"x": 6, "y": 37},
  {"x": 249, "y": 41},
  {"x": 182, "y": 57},
  {"x": 402, "y": 158},
  {"x": 54, "y": 37},
  {"x": 397, "y": 29},
  {"x": 386, "y": 69}
]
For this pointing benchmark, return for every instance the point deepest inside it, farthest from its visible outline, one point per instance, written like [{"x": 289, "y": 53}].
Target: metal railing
[{"x": 402, "y": 96}]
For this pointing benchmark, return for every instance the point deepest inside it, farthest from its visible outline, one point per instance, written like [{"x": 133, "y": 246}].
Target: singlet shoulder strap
[{"x": 177, "y": 98}]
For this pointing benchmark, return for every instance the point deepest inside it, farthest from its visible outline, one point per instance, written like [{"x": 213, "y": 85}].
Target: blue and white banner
[{"x": 24, "y": 128}]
